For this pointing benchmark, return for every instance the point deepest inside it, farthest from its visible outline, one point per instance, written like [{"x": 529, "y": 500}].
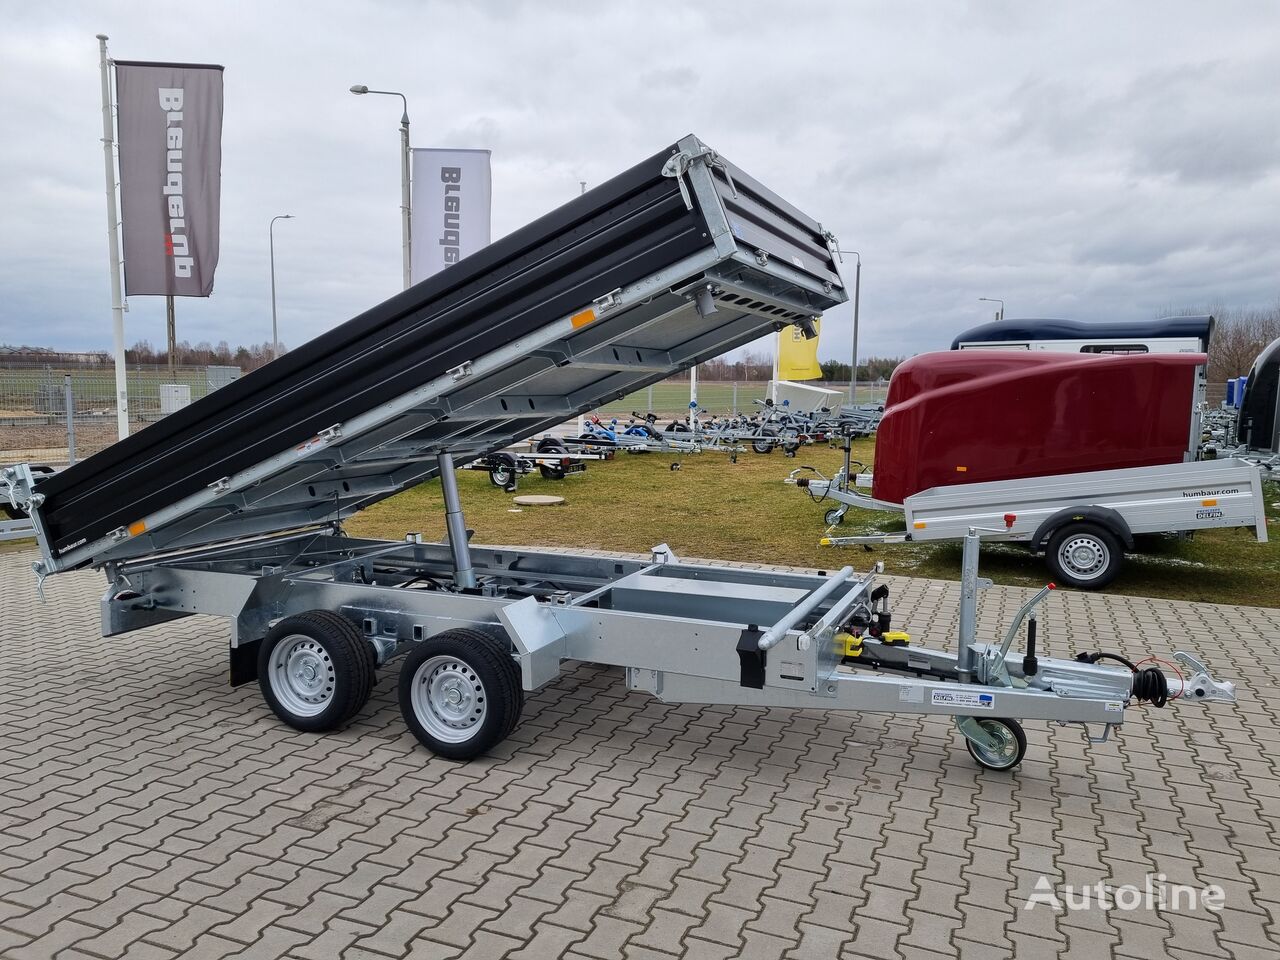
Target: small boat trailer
[
  {"x": 549, "y": 457},
  {"x": 234, "y": 507}
]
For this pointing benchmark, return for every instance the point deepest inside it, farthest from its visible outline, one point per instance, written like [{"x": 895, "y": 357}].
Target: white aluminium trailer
[
  {"x": 1167, "y": 335},
  {"x": 234, "y": 507},
  {"x": 1082, "y": 522},
  {"x": 804, "y": 398}
]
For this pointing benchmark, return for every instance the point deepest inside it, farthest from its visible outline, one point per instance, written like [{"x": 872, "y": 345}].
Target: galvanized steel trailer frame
[
  {"x": 314, "y": 612},
  {"x": 683, "y": 632}
]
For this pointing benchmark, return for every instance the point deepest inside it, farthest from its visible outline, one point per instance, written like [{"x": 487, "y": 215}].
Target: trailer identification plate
[{"x": 963, "y": 698}]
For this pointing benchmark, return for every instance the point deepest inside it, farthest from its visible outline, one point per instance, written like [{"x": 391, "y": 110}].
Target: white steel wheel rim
[
  {"x": 1084, "y": 557},
  {"x": 1005, "y": 751},
  {"x": 302, "y": 675},
  {"x": 448, "y": 699}
]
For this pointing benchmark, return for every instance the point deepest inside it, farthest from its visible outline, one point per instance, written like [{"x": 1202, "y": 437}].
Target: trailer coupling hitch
[
  {"x": 1200, "y": 683},
  {"x": 1151, "y": 684}
]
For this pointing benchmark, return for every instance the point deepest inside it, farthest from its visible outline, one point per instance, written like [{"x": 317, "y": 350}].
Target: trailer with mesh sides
[{"x": 235, "y": 505}]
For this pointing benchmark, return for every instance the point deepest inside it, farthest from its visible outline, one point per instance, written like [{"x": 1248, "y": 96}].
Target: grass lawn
[{"x": 716, "y": 509}]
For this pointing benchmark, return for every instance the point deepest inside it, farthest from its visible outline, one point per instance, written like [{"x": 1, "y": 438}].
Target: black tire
[
  {"x": 1014, "y": 744},
  {"x": 833, "y": 517},
  {"x": 551, "y": 445},
  {"x": 762, "y": 446},
  {"x": 1084, "y": 555},
  {"x": 477, "y": 666},
  {"x": 334, "y": 670},
  {"x": 551, "y": 473}
]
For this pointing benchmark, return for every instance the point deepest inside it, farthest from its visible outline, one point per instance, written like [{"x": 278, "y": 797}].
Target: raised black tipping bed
[{"x": 588, "y": 303}]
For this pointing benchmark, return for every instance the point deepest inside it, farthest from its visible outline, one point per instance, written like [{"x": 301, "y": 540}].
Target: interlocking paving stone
[{"x": 148, "y": 810}]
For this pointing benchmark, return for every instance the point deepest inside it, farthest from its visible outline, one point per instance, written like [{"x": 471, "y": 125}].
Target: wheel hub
[
  {"x": 1084, "y": 556},
  {"x": 302, "y": 675},
  {"x": 1001, "y": 747},
  {"x": 449, "y": 699}
]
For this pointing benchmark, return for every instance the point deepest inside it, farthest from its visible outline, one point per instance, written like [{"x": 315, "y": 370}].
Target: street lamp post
[
  {"x": 857, "y": 290},
  {"x": 406, "y": 235},
  {"x": 275, "y": 330},
  {"x": 1000, "y": 312}
]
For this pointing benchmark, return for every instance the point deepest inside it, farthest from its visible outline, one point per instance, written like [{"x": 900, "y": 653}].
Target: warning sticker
[{"x": 963, "y": 698}]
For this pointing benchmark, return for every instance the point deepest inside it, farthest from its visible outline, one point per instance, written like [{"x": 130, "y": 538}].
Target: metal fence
[
  {"x": 35, "y": 401},
  {"x": 34, "y": 424},
  {"x": 670, "y": 398}
]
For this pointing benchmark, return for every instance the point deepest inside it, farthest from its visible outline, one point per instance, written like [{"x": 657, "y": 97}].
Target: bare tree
[{"x": 1239, "y": 336}]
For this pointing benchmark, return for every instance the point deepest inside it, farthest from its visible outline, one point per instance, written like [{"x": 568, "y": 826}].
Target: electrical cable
[{"x": 1150, "y": 685}]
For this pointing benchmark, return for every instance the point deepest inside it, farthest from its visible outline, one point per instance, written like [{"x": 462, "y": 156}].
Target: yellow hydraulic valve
[{"x": 851, "y": 645}]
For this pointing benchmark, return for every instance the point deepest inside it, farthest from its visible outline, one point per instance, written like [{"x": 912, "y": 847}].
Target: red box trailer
[{"x": 973, "y": 416}]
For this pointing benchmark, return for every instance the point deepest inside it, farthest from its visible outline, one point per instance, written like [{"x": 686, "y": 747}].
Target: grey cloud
[{"x": 1081, "y": 160}]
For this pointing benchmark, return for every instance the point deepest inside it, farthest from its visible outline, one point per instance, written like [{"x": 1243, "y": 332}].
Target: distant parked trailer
[
  {"x": 1083, "y": 523},
  {"x": 1169, "y": 335},
  {"x": 1072, "y": 455}
]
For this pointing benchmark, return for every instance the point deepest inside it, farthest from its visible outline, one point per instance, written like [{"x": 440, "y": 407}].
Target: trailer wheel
[
  {"x": 1084, "y": 555},
  {"x": 833, "y": 517},
  {"x": 316, "y": 670},
  {"x": 551, "y": 473},
  {"x": 1010, "y": 749},
  {"x": 762, "y": 446},
  {"x": 460, "y": 693},
  {"x": 503, "y": 471}
]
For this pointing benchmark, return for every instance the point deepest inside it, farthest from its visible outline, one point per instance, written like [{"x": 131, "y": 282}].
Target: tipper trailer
[{"x": 234, "y": 506}]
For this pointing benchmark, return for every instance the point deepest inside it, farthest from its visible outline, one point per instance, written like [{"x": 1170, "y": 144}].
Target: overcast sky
[{"x": 1079, "y": 160}]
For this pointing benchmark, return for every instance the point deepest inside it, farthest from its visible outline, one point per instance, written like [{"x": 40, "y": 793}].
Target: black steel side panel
[
  {"x": 762, "y": 221},
  {"x": 624, "y": 230}
]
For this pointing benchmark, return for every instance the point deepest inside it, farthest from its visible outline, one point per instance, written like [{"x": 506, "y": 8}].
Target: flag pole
[
  {"x": 113, "y": 242},
  {"x": 777, "y": 362},
  {"x": 171, "y": 323}
]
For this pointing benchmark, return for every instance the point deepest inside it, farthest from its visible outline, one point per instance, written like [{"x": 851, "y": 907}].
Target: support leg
[
  {"x": 968, "y": 607},
  {"x": 463, "y": 573}
]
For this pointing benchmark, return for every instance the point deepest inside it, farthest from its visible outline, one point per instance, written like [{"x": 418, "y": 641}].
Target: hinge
[
  {"x": 678, "y": 164},
  {"x": 833, "y": 244},
  {"x": 608, "y": 301},
  {"x": 221, "y": 486},
  {"x": 461, "y": 371},
  {"x": 329, "y": 434}
]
